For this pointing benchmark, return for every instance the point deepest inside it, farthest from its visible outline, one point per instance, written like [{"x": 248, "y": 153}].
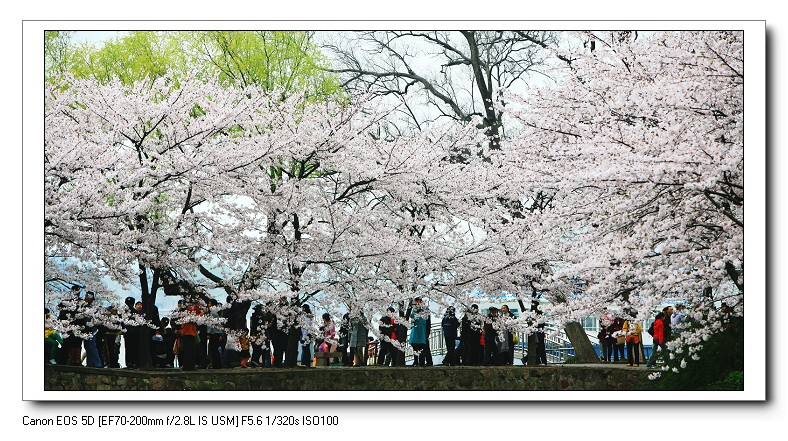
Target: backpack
[{"x": 651, "y": 329}]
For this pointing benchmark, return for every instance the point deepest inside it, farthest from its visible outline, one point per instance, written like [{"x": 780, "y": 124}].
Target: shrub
[{"x": 720, "y": 366}]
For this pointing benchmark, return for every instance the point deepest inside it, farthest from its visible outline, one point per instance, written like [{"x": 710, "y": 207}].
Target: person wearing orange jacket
[
  {"x": 188, "y": 338},
  {"x": 632, "y": 331}
]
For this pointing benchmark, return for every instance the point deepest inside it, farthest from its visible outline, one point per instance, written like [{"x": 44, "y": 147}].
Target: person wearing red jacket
[{"x": 659, "y": 340}]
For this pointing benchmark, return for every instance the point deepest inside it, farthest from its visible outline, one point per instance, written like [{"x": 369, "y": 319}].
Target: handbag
[
  {"x": 620, "y": 340},
  {"x": 515, "y": 339}
]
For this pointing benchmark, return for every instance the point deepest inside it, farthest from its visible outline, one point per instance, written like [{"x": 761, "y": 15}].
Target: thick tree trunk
[
  {"x": 143, "y": 346},
  {"x": 584, "y": 350}
]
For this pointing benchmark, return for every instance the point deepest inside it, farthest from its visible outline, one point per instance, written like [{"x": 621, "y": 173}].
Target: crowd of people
[
  {"x": 616, "y": 334},
  {"x": 203, "y": 334}
]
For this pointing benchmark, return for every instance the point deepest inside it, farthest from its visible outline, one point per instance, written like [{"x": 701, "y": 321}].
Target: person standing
[
  {"x": 491, "y": 340},
  {"x": 449, "y": 326},
  {"x": 470, "y": 336},
  {"x": 619, "y": 339},
  {"x": 659, "y": 340},
  {"x": 307, "y": 319},
  {"x": 602, "y": 338},
  {"x": 328, "y": 334},
  {"x": 52, "y": 340},
  {"x": 243, "y": 342},
  {"x": 541, "y": 349},
  {"x": 169, "y": 341},
  {"x": 90, "y": 330},
  {"x": 419, "y": 333},
  {"x": 507, "y": 317},
  {"x": 72, "y": 343},
  {"x": 131, "y": 336},
  {"x": 257, "y": 337},
  {"x": 387, "y": 335},
  {"x": 188, "y": 337},
  {"x": 344, "y": 339},
  {"x": 668, "y": 311},
  {"x": 633, "y": 334},
  {"x": 279, "y": 333},
  {"x": 215, "y": 332},
  {"x": 358, "y": 339},
  {"x": 678, "y": 317}
]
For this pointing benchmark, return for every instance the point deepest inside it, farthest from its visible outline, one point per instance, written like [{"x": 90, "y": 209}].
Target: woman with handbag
[{"x": 632, "y": 330}]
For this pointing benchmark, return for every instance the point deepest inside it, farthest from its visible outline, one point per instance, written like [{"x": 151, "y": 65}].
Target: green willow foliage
[{"x": 276, "y": 60}]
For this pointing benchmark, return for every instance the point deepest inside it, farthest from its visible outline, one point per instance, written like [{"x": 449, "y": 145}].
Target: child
[
  {"x": 244, "y": 342},
  {"x": 52, "y": 340}
]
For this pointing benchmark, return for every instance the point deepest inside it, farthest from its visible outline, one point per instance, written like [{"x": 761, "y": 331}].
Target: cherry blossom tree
[
  {"x": 627, "y": 172},
  {"x": 641, "y": 146},
  {"x": 127, "y": 165}
]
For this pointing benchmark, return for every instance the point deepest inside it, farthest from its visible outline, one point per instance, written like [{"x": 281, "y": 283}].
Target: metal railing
[{"x": 557, "y": 347}]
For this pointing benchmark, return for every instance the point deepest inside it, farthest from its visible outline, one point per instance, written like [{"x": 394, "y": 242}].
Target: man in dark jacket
[
  {"x": 279, "y": 333},
  {"x": 131, "y": 337},
  {"x": 470, "y": 337}
]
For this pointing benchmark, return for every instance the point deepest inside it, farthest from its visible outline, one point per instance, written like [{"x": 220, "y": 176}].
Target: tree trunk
[
  {"x": 143, "y": 346},
  {"x": 584, "y": 350}
]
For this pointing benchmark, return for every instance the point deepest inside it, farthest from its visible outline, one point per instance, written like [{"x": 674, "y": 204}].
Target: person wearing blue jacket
[{"x": 419, "y": 333}]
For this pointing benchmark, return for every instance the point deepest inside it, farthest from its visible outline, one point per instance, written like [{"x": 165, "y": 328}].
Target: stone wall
[{"x": 439, "y": 378}]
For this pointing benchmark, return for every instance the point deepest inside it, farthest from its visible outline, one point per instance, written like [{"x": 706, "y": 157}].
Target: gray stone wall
[{"x": 461, "y": 378}]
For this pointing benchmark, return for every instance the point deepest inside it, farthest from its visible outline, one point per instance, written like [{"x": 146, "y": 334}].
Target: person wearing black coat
[
  {"x": 470, "y": 337},
  {"x": 508, "y": 314},
  {"x": 131, "y": 337},
  {"x": 257, "y": 322},
  {"x": 344, "y": 340},
  {"x": 168, "y": 333},
  {"x": 449, "y": 325},
  {"x": 491, "y": 357},
  {"x": 71, "y": 349},
  {"x": 386, "y": 353}
]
